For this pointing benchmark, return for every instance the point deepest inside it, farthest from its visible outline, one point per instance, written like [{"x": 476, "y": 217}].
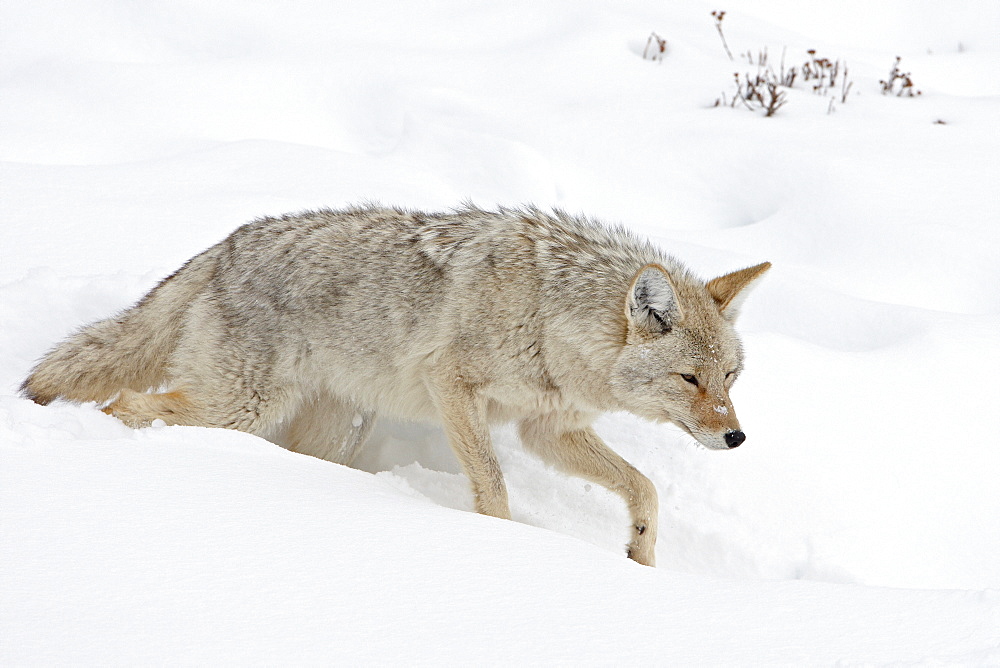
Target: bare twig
[
  {"x": 656, "y": 46},
  {"x": 845, "y": 87},
  {"x": 767, "y": 90},
  {"x": 906, "y": 88},
  {"x": 719, "y": 15}
]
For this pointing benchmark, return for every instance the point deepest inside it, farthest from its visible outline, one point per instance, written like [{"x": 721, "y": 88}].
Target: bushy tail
[{"x": 129, "y": 351}]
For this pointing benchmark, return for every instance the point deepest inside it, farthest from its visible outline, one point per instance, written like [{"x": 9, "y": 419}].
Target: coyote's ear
[
  {"x": 730, "y": 290},
  {"x": 651, "y": 306}
]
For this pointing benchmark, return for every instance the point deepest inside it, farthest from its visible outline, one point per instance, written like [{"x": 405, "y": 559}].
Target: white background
[{"x": 859, "y": 523}]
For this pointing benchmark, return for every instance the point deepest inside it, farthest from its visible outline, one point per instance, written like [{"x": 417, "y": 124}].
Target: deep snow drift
[{"x": 131, "y": 139}]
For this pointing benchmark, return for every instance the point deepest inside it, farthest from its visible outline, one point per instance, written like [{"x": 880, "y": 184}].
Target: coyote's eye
[{"x": 689, "y": 378}]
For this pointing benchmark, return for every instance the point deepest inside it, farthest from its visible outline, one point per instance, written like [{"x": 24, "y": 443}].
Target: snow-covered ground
[{"x": 860, "y": 523}]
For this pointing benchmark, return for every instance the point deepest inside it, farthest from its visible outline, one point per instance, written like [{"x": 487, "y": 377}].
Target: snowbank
[{"x": 132, "y": 139}]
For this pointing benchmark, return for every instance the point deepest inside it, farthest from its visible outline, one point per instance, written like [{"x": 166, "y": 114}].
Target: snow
[{"x": 858, "y": 524}]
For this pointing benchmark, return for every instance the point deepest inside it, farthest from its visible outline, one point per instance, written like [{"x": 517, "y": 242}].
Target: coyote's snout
[{"x": 303, "y": 329}]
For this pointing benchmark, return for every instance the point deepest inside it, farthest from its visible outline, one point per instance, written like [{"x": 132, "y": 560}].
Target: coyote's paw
[
  {"x": 123, "y": 412},
  {"x": 642, "y": 548}
]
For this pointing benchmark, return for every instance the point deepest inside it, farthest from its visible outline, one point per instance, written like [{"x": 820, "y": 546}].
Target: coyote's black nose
[{"x": 734, "y": 438}]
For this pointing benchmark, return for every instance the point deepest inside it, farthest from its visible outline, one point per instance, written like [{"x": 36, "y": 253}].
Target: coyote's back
[{"x": 303, "y": 328}]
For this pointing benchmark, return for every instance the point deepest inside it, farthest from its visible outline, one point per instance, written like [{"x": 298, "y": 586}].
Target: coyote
[{"x": 302, "y": 329}]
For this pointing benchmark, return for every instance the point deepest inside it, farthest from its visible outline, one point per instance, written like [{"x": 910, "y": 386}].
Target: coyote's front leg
[
  {"x": 464, "y": 418},
  {"x": 582, "y": 452}
]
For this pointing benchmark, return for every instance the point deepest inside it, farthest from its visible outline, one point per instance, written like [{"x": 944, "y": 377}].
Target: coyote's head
[{"x": 682, "y": 354}]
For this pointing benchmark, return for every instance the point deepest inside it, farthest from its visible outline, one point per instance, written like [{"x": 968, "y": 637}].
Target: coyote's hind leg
[
  {"x": 247, "y": 411},
  {"x": 138, "y": 409},
  {"x": 330, "y": 428}
]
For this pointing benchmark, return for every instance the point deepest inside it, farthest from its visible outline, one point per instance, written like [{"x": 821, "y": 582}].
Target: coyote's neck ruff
[{"x": 302, "y": 329}]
